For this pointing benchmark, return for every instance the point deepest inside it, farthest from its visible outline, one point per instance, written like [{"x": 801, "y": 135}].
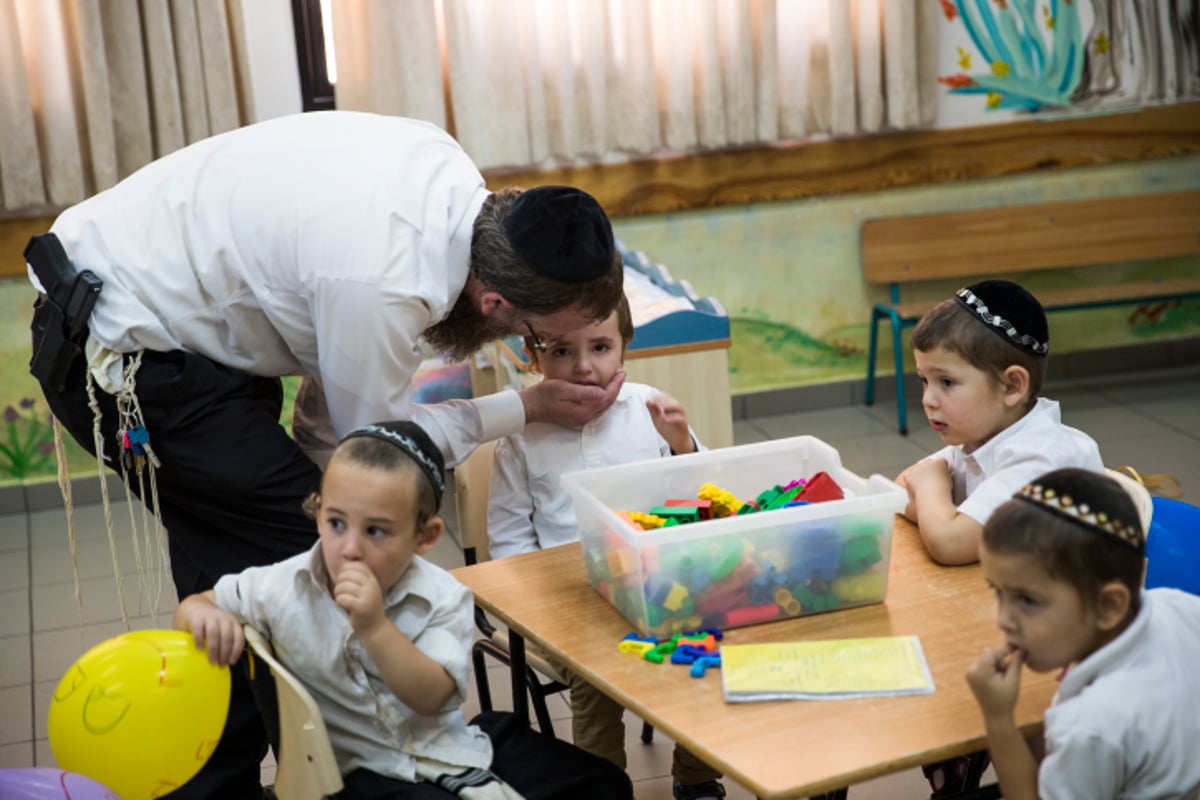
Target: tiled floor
[{"x": 1149, "y": 420}]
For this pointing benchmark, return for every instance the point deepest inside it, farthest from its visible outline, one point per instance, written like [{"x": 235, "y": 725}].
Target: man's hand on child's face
[
  {"x": 567, "y": 404},
  {"x": 670, "y": 420},
  {"x": 357, "y": 591},
  {"x": 995, "y": 680}
]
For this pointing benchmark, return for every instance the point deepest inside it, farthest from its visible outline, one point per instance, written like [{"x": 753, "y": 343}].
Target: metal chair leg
[
  {"x": 872, "y": 350},
  {"x": 898, "y": 356},
  {"x": 540, "y": 711},
  {"x": 482, "y": 687},
  {"x": 836, "y": 794}
]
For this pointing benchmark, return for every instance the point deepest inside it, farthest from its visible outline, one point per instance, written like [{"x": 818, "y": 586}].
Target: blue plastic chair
[{"x": 1173, "y": 546}]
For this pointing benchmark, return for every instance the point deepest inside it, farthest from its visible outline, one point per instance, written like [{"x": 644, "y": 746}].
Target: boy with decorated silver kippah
[
  {"x": 981, "y": 356},
  {"x": 1065, "y": 557}
]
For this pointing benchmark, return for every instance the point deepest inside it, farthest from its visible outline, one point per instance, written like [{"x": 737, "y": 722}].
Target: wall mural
[{"x": 1047, "y": 55}]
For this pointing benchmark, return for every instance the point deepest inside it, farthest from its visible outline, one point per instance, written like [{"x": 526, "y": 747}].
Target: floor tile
[
  {"x": 49, "y": 528},
  {"x": 824, "y": 424},
  {"x": 51, "y": 563},
  {"x": 16, "y": 661},
  {"x": 1178, "y": 413},
  {"x": 14, "y": 613},
  {"x": 1104, "y": 423},
  {"x": 746, "y": 432},
  {"x": 43, "y": 756},
  {"x": 1160, "y": 453},
  {"x": 16, "y": 723},
  {"x": 14, "y": 569},
  {"x": 14, "y": 533},
  {"x": 56, "y": 606},
  {"x": 16, "y": 755},
  {"x": 866, "y": 455}
]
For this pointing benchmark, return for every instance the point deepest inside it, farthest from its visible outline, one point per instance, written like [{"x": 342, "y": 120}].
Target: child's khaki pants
[{"x": 598, "y": 727}]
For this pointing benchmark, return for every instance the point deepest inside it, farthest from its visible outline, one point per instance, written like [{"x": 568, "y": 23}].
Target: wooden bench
[{"x": 978, "y": 244}]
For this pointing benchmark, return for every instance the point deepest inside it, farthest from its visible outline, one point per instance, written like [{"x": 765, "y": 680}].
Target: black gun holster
[{"x": 60, "y": 316}]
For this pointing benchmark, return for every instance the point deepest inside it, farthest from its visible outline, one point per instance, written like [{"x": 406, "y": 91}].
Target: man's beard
[{"x": 464, "y": 330}]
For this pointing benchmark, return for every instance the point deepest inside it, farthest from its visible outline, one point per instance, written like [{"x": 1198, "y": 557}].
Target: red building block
[{"x": 820, "y": 487}]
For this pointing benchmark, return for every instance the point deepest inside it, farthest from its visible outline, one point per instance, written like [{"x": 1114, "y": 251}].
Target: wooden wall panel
[{"x": 877, "y": 162}]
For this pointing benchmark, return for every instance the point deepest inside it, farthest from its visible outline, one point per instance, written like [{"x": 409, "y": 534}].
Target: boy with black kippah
[
  {"x": 1065, "y": 557},
  {"x": 381, "y": 637},
  {"x": 981, "y": 356}
]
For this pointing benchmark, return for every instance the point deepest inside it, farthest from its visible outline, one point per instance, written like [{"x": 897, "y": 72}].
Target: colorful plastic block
[
  {"x": 819, "y": 488},
  {"x": 858, "y": 588},
  {"x": 680, "y": 514},
  {"x": 676, "y": 598},
  {"x": 705, "y": 507},
  {"x": 748, "y": 615},
  {"x": 646, "y": 522},
  {"x": 724, "y": 503},
  {"x": 620, "y": 562}
]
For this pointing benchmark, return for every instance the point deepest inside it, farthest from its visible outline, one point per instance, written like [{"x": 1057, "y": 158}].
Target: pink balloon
[{"x": 50, "y": 783}]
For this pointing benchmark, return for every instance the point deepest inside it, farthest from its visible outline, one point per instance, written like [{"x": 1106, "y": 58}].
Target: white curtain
[
  {"x": 538, "y": 82},
  {"x": 1141, "y": 52},
  {"x": 91, "y": 90}
]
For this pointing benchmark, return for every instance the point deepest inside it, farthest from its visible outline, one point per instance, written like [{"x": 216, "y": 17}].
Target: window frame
[{"x": 316, "y": 92}]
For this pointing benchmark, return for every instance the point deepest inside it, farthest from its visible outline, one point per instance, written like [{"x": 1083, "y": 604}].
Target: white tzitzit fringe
[
  {"x": 98, "y": 444},
  {"x": 153, "y": 534},
  {"x": 64, "y": 485}
]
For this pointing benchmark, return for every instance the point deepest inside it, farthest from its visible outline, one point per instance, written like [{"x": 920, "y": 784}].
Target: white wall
[{"x": 274, "y": 71}]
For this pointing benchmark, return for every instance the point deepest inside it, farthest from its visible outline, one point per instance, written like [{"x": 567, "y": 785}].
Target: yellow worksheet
[{"x": 830, "y": 669}]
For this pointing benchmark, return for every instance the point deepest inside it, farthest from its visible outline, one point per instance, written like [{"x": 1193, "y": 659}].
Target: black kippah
[
  {"x": 1010, "y": 312},
  {"x": 413, "y": 440},
  {"x": 562, "y": 233}
]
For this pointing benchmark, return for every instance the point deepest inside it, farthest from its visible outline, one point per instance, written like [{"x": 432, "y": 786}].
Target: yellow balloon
[{"x": 140, "y": 713}]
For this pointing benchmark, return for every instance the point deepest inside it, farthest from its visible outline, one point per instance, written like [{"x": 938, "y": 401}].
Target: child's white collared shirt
[
  {"x": 1125, "y": 722},
  {"x": 1035, "y": 444},
  {"x": 527, "y": 508}
]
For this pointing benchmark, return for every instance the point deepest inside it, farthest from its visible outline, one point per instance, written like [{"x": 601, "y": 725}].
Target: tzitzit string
[
  {"x": 98, "y": 445},
  {"x": 152, "y": 535},
  {"x": 64, "y": 486}
]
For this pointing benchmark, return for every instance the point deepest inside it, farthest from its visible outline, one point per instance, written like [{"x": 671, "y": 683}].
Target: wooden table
[{"x": 783, "y": 748}]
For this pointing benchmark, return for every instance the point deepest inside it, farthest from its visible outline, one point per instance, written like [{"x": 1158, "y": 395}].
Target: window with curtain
[
  {"x": 91, "y": 90},
  {"x": 524, "y": 83}
]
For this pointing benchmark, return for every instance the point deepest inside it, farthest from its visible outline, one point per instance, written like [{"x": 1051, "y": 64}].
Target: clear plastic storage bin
[{"x": 736, "y": 570}]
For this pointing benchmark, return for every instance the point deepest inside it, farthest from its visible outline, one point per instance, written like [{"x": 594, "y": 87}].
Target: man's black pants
[{"x": 230, "y": 490}]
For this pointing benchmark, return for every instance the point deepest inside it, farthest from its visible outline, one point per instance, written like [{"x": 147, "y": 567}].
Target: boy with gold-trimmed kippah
[
  {"x": 981, "y": 357},
  {"x": 1065, "y": 557}
]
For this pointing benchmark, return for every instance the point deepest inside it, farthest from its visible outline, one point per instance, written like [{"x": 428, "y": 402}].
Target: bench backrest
[{"x": 996, "y": 241}]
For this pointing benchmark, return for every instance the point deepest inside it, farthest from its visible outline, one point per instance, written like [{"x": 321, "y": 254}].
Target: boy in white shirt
[
  {"x": 528, "y": 510},
  {"x": 380, "y": 637},
  {"x": 981, "y": 356},
  {"x": 1065, "y": 557}
]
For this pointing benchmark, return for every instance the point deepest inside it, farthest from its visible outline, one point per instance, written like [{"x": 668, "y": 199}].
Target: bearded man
[{"x": 324, "y": 245}]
